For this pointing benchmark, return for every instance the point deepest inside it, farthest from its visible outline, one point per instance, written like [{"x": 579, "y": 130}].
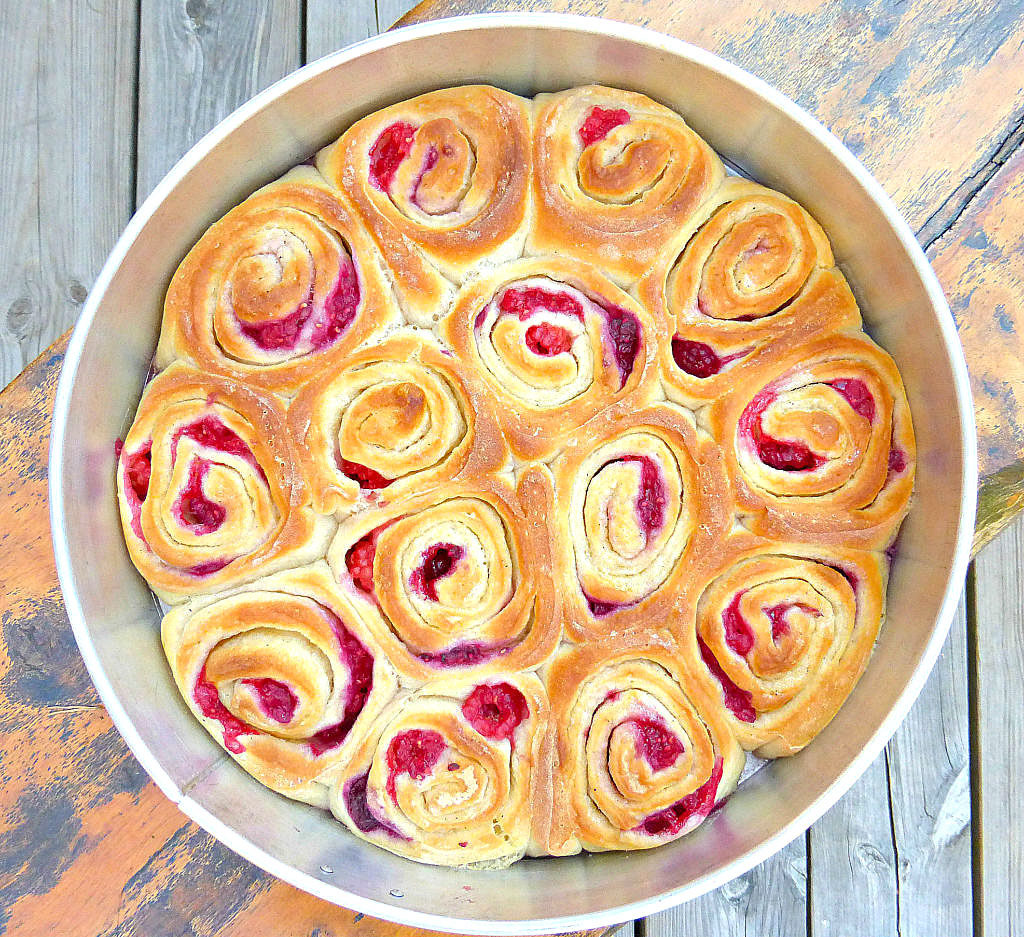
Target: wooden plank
[
  {"x": 980, "y": 263},
  {"x": 852, "y": 887},
  {"x": 770, "y": 899},
  {"x": 930, "y": 797},
  {"x": 998, "y": 724},
  {"x": 390, "y": 11},
  {"x": 331, "y": 25},
  {"x": 198, "y": 61},
  {"x": 66, "y": 76}
]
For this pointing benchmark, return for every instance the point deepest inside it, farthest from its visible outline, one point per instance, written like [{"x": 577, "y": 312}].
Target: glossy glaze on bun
[{"x": 512, "y": 471}]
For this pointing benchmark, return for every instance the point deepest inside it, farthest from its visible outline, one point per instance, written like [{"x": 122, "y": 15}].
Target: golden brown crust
[
  {"x": 837, "y": 406},
  {"x": 781, "y": 633},
  {"x": 445, "y": 172},
  {"x": 643, "y": 752},
  {"x": 589, "y": 544},
  {"x": 458, "y": 576},
  {"x": 209, "y": 488},
  {"x": 283, "y": 287},
  {"x": 402, "y": 410},
  {"x": 642, "y": 498},
  {"x": 438, "y": 781},
  {"x": 752, "y": 270},
  {"x": 283, "y": 675},
  {"x": 618, "y": 202},
  {"x": 545, "y": 391}
]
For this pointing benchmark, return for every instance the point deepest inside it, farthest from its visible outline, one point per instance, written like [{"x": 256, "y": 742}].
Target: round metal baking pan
[{"x": 115, "y": 618}]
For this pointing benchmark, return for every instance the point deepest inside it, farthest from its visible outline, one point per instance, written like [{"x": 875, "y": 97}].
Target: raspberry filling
[
  {"x": 496, "y": 710},
  {"x": 429, "y": 163},
  {"x": 599, "y": 609},
  {"x": 294, "y": 329},
  {"x": 208, "y": 700},
  {"x": 672, "y": 819},
  {"x": 438, "y": 561},
  {"x": 368, "y": 479},
  {"x": 360, "y": 556},
  {"x": 276, "y": 699},
  {"x": 737, "y": 701},
  {"x": 897, "y": 461},
  {"x": 698, "y": 359},
  {"x": 622, "y": 330},
  {"x": 777, "y": 616},
  {"x": 624, "y": 333},
  {"x": 197, "y": 511},
  {"x": 137, "y": 469},
  {"x": 655, "y": 742},
  {"x": 413, "y": 752},
  {"x": 209, "y": 568},
  {"x": 359, "y": 663},
  {"x": 650, "y": 499},
  {"x": 463, "y": 655},
  {"x": 783, "y": 455},
  {"x": 388, "y": 152},
  {"x": 524, "y": 302},
  {"x": 600, "y": 122},
  {"x": 857, "y": 396},
  {"x": 359, "y": 811},
  {"x": 738, "y": 634},
  {"x": 211, "y": 433},
  {"x": 547, "y": 340}
]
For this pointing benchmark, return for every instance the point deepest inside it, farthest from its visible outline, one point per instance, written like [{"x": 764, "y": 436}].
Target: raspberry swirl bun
[
  {"x": 457, "y": 578},
  {"x": 643, "y": 754},
  {"x": 281, "y": 288},
  {"x": 209, "y": 488},
  {"x": 553, "y": 342},
  {"x": 819, "y": 444},
  {"x": 616, "y": 176},
  {"x": 644, "y": 498},
  {"x": 755, "y": 271},
  {"x": 457, "y": 773},
  {"x": 783, "y": 633},
  {"x": 446, "y": 172},
  {"x": 399, "y": 417},
  {"x": 283, "y": 675}
]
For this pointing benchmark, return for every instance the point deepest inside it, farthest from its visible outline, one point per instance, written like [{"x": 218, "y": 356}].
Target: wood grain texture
[
  {"x": 198, "y": 61},
  {"x": 66, "y": 106},
  {"x": 980, "y": 263},
  {"x": 330, "y": 25},
  {"x": 930, "y": 101},
  {"x": 998, "y": 672},
  {"x": 770, "y": 899}
]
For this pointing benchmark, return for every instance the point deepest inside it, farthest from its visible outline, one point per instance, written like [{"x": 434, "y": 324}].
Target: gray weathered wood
[
  {"x": 852, "y": 868},
  {"x": 894, "y": 855},
  {"x": 390, "y": 11},
  {"x": 929, "y": 782},
  {"x": 199, "y": 60},
  {"x": 998, "y": 725},
  {"x": 66, "y": 110},
  {"x": 331, "y": 25},
  {"x": 768, "y": 900}
]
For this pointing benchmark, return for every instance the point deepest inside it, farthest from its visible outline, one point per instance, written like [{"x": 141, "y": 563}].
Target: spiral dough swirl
[
  {"x": 278, "y": 289},
  {"x": 784, "y": 636},
  {"x": 205, "y": 490},
  {"x": 822, "y": 443},
  {"x": 282, "y": 674},
  {"x": 451, "y": 773},
  {"x": 453, "y": 579},
  {"x": 616, "y": 176},
  {"x": 643, "y": 754}
]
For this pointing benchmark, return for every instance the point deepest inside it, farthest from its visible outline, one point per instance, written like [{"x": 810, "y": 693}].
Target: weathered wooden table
[{"x": 99, "y": 99}]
